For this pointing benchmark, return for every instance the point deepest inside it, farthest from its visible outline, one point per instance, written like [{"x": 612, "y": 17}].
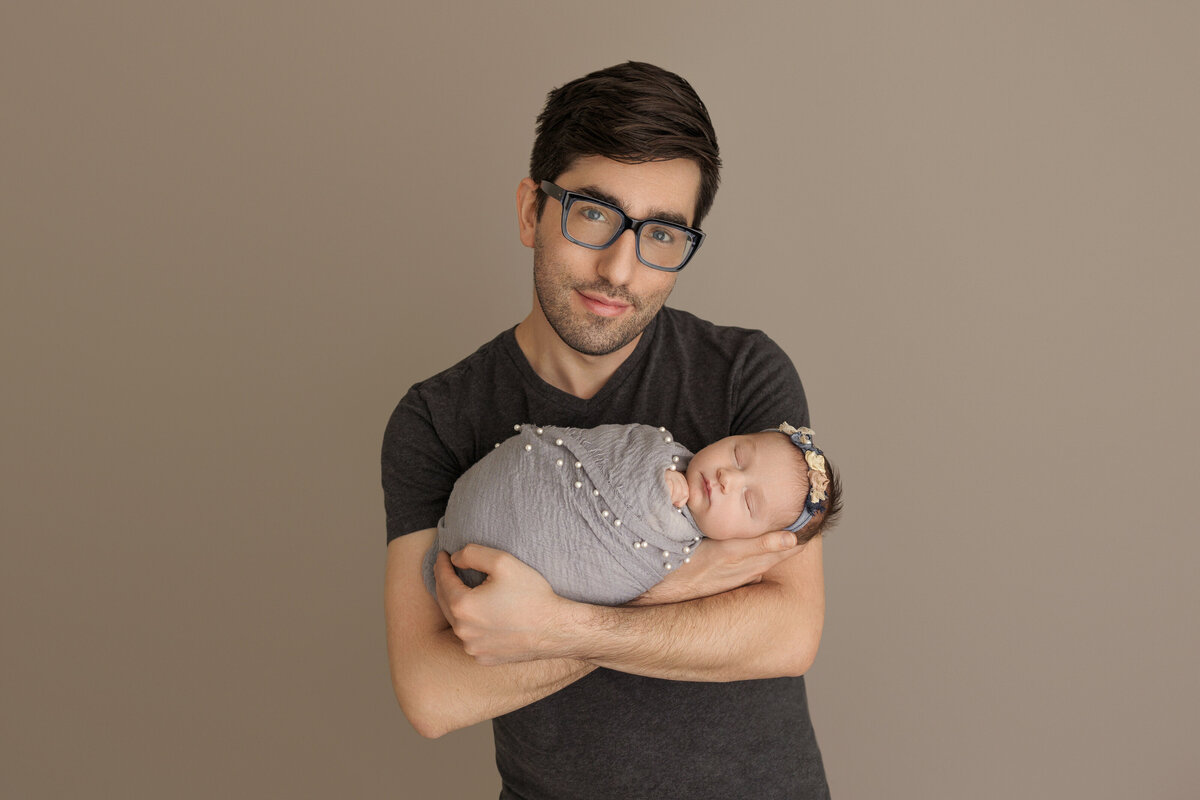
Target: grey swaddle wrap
[{"x": 587, "y": 508}]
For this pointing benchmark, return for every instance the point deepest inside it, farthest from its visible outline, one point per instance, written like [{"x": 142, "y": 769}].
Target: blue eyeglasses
[{"x": 595, "y": 225}]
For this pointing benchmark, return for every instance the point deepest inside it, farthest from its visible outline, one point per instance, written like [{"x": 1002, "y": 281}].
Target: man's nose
[{"x": 619, "y": 262}]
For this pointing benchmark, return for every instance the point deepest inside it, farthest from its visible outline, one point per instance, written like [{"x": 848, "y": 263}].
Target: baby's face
[{"x": 744, "y": 486}]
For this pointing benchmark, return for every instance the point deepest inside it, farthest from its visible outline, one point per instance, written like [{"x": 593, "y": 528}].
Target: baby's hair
[
  {"x": 824, "y": 520},
  {"x": 821, "y": 520}
]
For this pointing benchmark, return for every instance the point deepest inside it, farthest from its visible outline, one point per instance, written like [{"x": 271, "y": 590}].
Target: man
[{"x": 695, "y": 691}]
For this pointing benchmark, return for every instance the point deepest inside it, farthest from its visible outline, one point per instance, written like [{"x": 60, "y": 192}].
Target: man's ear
[{"x": 527, "y": 210}]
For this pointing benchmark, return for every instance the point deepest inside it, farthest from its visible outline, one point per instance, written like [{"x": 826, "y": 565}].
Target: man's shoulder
[
  {"x": 489, "y": 357},
  {"x": 761, "y": 384},
  {"x": 463, "y": 392},
  {"x": 435, "y": 433},
  {"x": 678, "y": 321},
  {"x": 689, "y": 334}
]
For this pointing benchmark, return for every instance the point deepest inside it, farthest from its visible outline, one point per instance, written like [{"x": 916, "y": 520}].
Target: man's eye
[
  {"x": 662, "y": 236},
  {"x": 593, "y": 214}
]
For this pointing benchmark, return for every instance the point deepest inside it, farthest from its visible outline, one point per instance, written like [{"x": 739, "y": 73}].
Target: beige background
[{"x": 233, "y": 234}]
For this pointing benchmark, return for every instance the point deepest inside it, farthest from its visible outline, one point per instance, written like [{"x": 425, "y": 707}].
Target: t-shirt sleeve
[
  {"x": 767, "y": 389},
  {"x": 418, "y": 469}
]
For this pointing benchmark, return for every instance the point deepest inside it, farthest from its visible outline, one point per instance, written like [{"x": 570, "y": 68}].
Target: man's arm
[
  {"x": 440, "y": 688},
  {"x": 767, "y": 629}
]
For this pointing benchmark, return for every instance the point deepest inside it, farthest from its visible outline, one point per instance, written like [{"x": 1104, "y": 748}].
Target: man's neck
[{"x": 563, "y": 367}]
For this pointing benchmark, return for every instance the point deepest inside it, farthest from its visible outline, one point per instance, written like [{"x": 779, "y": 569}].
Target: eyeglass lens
[{"x": 660, "y": 243}]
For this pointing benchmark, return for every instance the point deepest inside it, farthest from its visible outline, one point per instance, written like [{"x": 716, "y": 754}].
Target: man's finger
[
  {"x": 778, "y": 541},
  {"x": 444, "y": 573},
  {"x": 480, "y": 558},
  {"x": 448, "y": 584}
]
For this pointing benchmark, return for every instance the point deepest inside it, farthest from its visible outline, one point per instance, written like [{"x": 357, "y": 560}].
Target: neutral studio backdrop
[{"x": 233, "y": 234}]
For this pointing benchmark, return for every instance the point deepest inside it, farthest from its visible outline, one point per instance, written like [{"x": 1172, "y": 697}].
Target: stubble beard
[{"x": 587, "y": 333}]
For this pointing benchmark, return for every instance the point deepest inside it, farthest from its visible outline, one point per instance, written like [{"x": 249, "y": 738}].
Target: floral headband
[{"x": 818, "y": 476}]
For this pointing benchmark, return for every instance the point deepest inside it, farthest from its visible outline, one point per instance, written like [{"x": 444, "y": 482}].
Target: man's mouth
[{"x": 602, "y": 306}]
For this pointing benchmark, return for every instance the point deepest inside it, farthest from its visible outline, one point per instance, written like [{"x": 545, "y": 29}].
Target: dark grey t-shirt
[{"x": 611, "y": 734}]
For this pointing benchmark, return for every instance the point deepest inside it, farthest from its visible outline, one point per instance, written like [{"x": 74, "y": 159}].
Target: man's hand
[
  {"x": 512, "y": 616},
  {"x": 720, "y": 565}
]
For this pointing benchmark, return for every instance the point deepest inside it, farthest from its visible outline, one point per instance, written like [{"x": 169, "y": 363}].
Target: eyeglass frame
[{"x": 628, "y": 223}]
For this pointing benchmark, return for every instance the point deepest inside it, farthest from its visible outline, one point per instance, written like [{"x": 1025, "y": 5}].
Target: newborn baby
[{"x": 605, "y": 513}]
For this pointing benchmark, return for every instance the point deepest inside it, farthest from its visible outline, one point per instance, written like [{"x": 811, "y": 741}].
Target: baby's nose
[{"x": 725, "y": 477}]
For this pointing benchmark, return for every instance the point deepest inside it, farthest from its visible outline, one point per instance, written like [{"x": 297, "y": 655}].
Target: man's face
[
  {"x": 744, "y": 486},
  {"x": 598, "y": 301}
]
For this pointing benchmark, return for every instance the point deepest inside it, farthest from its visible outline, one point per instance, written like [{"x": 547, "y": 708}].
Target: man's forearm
[
  {"x": 768, "y": 629},
  {"x": 439, "y": 687},
  {"x": 444, "y": 689}
]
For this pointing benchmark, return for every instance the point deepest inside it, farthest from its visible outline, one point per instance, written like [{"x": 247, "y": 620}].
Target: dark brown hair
[
  {"x": 824, "y": 520},
  {"x": 632, "y": 112}
]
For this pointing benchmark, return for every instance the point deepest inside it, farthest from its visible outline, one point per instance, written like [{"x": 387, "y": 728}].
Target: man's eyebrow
[{"x": 597, "y": 193}]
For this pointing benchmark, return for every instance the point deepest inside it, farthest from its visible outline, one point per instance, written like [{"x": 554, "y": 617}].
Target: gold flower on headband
[
  {"x": 818, "y": 486},
  {"x": 806, "y": 434},
  {"x": 817, "y": 479}
]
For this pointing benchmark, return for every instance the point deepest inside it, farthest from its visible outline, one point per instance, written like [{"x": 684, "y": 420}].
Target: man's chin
[
  {"x": 594, "y": 334},
  {"x": 594, "y": 337},
  {"x": 590, "y": 347}
]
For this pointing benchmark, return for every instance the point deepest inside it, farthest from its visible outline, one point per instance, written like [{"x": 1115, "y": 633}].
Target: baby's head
[{"x": 745, "y": 486}]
